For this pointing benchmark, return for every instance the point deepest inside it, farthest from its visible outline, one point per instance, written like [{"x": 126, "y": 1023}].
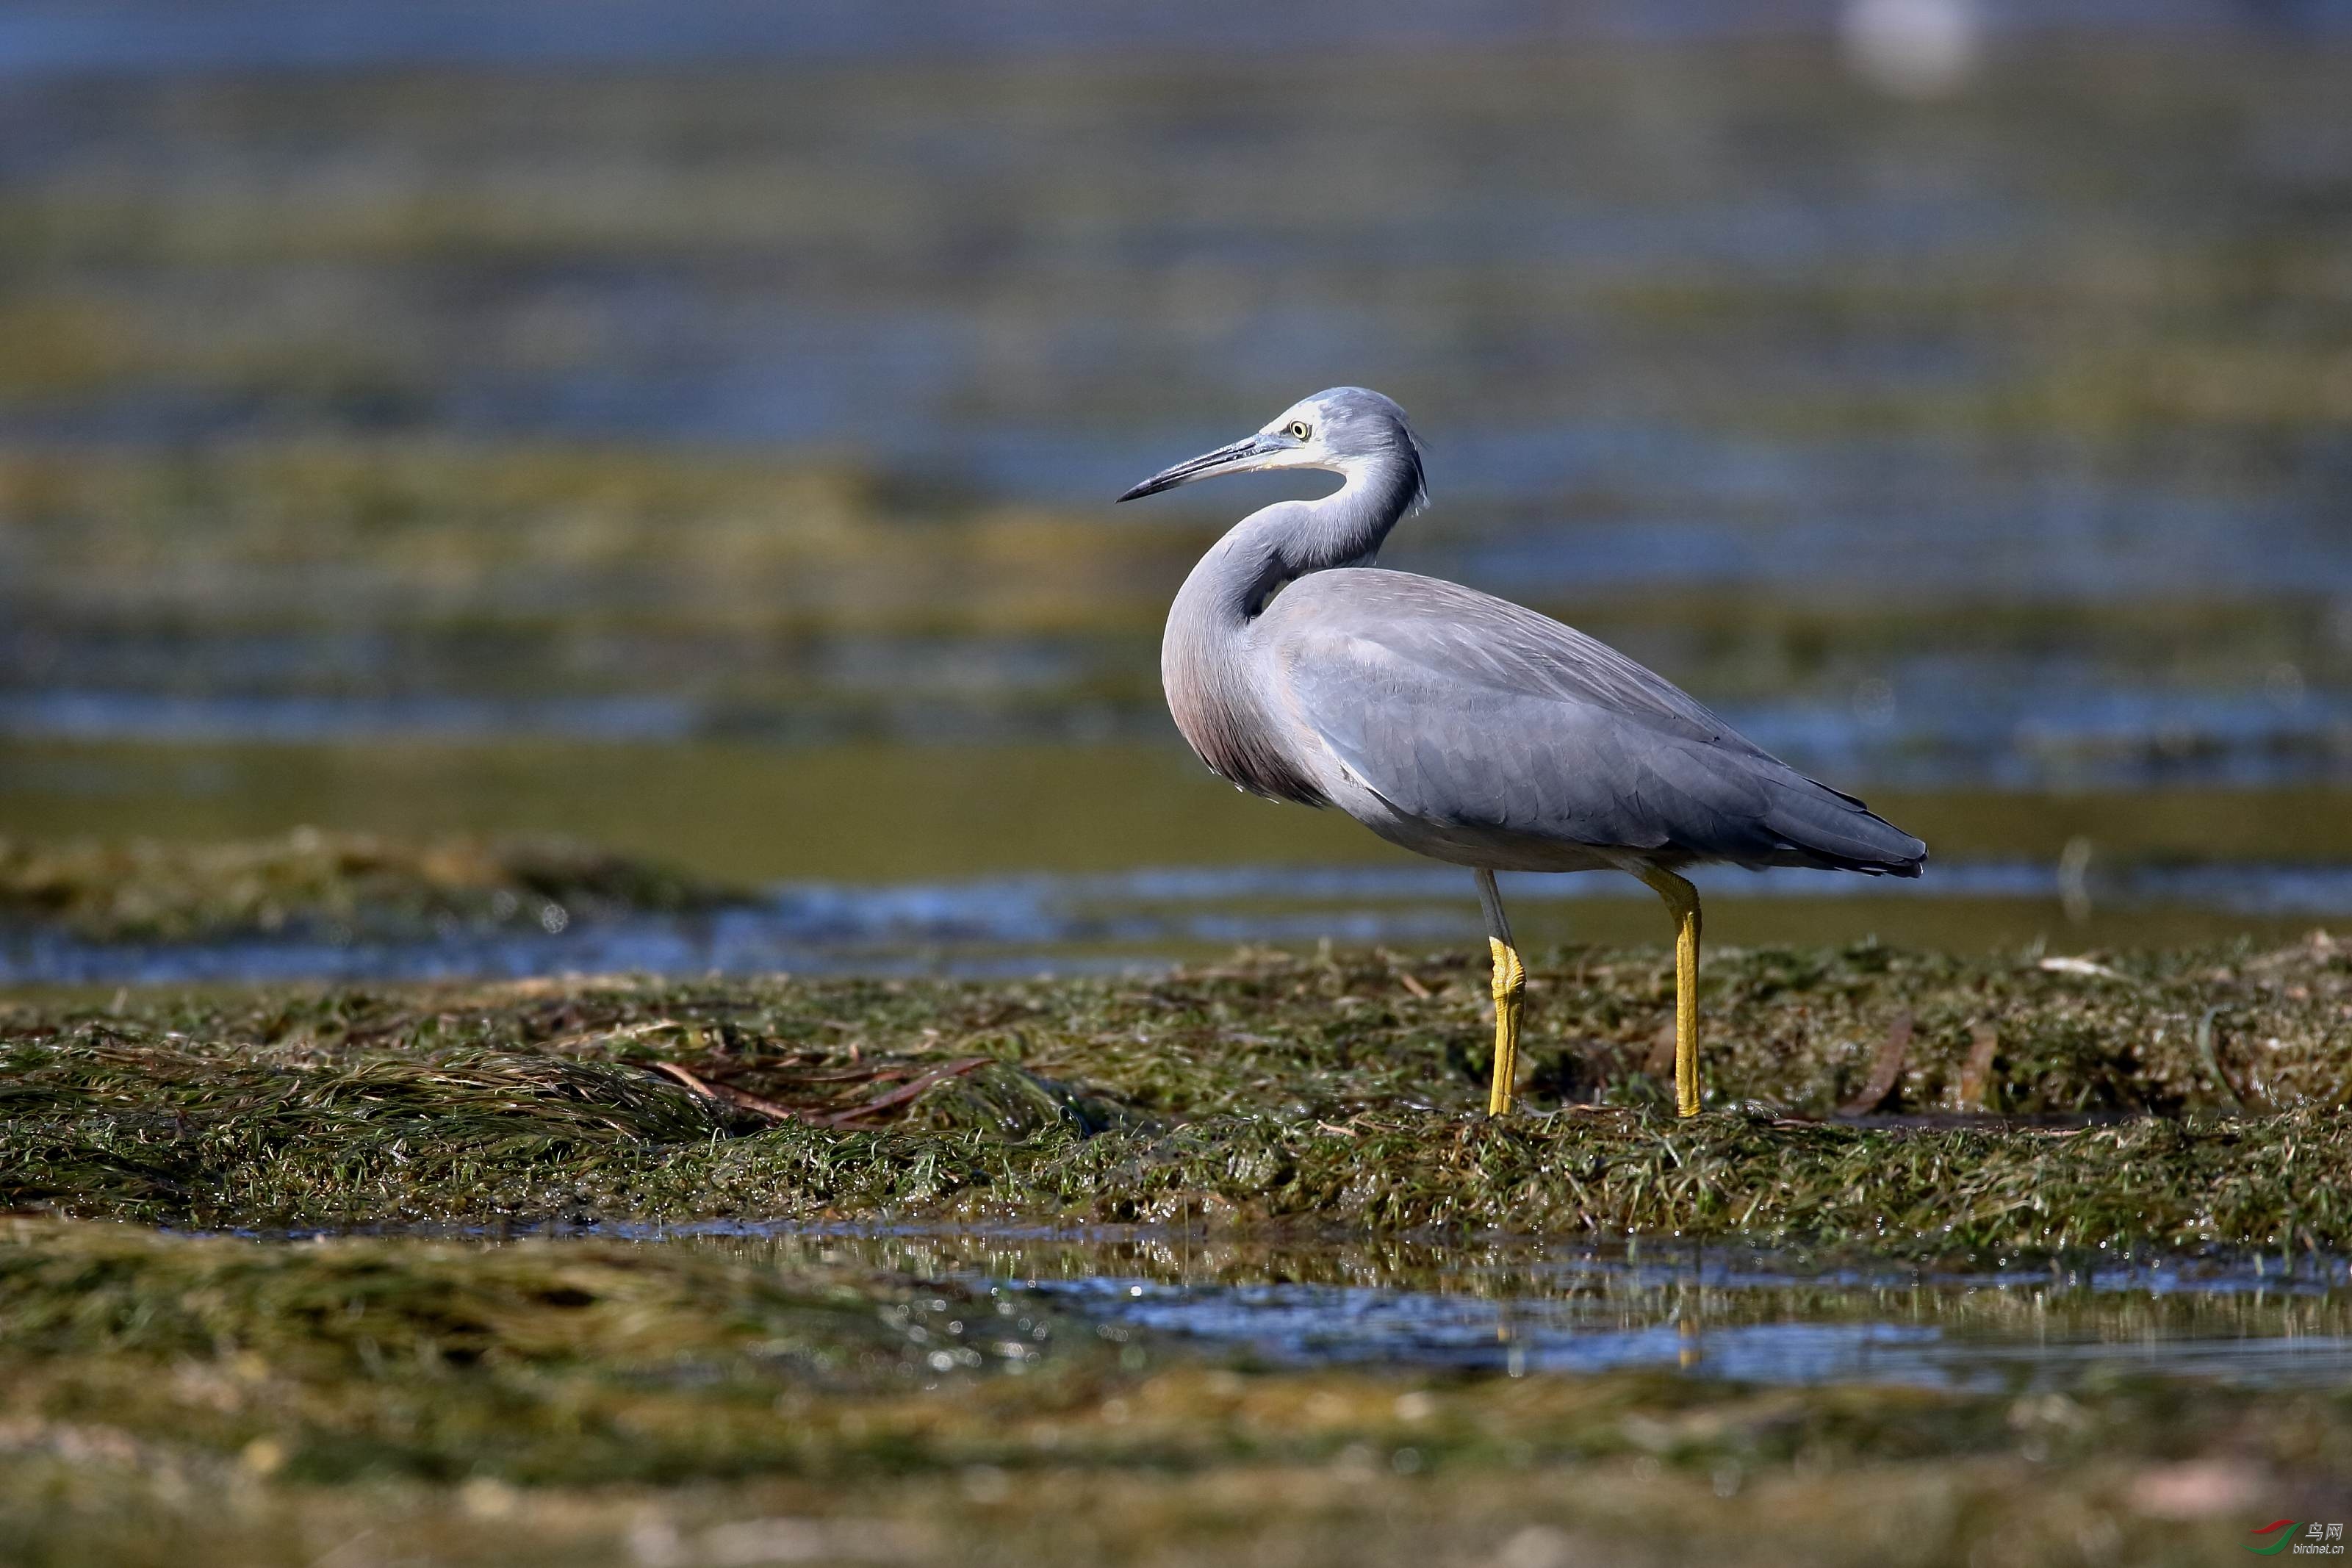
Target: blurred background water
[{"x": 691, "y": 428}]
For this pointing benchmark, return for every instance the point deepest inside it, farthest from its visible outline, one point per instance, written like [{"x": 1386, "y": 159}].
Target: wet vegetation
[
  {"x": 513, "y": 1393},
  {"x": 1925, "y": 1106},
  {"x": 187, "y": 1400}
]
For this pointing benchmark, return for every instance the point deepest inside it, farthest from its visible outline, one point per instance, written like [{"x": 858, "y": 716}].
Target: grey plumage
[
  {"x": 1526, "y": 744},
  {"x": 1463, "y": 726},
  {"x": 1453, "y": 722}
]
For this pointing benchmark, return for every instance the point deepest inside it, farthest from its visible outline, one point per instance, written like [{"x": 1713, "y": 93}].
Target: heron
[{"x": 1462, "y": 726}]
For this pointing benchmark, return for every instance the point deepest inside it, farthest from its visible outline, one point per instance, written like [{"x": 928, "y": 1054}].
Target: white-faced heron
[{"x": 1463, "y": 726}]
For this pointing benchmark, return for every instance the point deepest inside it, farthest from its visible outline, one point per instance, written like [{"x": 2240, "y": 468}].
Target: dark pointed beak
[{"x": 1201, "y": 467}]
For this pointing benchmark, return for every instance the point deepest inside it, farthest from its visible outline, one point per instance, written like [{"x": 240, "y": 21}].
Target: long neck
[
  {"x": 1347, "y": 527},
  {"x": 1268, "y": 547},
  {"x": 1205, "y": 654}
]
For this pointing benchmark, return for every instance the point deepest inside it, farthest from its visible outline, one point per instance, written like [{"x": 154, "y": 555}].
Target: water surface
[{"x": 1529, "y": 1306}]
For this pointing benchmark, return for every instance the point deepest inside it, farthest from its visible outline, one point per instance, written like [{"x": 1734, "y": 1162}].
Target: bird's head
[{"x": 1347, "y": 430}]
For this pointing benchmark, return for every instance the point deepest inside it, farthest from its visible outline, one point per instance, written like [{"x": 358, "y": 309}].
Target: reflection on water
[{"x": 1725, "y": 1311}]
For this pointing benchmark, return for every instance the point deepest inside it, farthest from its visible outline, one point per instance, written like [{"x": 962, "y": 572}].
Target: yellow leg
[
  {"x": 1510, "y": 989},
  {"x": 1682, "y": 900}
]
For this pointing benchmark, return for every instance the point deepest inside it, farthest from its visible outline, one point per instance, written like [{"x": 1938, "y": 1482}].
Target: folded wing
[{"x": 1468, "y": 711}]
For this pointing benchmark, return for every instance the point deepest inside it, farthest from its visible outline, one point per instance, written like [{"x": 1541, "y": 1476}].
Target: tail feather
[{"x": 1828, "y": 828}]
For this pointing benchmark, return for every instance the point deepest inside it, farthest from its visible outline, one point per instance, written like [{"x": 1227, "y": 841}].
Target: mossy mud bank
[
  {"x": 320, "y": 882},
  {"x": 197, "y": 1400},
  {"x": 375, "y": 1399},
  {"x": 1911, "y": 1104}
]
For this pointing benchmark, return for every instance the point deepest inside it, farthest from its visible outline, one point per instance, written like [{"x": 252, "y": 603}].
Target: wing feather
[{"x": 1468, "y": 711}]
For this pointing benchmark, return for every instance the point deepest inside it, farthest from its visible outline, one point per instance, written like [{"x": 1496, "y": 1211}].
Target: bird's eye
[{"x": 1298, "y": 431}]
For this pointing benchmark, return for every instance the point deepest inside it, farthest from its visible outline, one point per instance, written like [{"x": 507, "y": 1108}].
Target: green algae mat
[
  {"x": 1924, "y": 1106},
  {"x": 482, "y": 1307}
]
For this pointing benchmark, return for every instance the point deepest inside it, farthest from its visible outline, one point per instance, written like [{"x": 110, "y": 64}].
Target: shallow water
[
  {"x": 1064, "y": 923},
  {"x": 1524, "y": 1306},
  {"x": 991, "y": 860},
  {"x": 714, "y": 463},
  {"x": 156, "y": 36}
]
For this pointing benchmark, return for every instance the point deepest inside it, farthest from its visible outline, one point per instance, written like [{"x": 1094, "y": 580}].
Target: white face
[{"x": 1294, "y": 440}]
